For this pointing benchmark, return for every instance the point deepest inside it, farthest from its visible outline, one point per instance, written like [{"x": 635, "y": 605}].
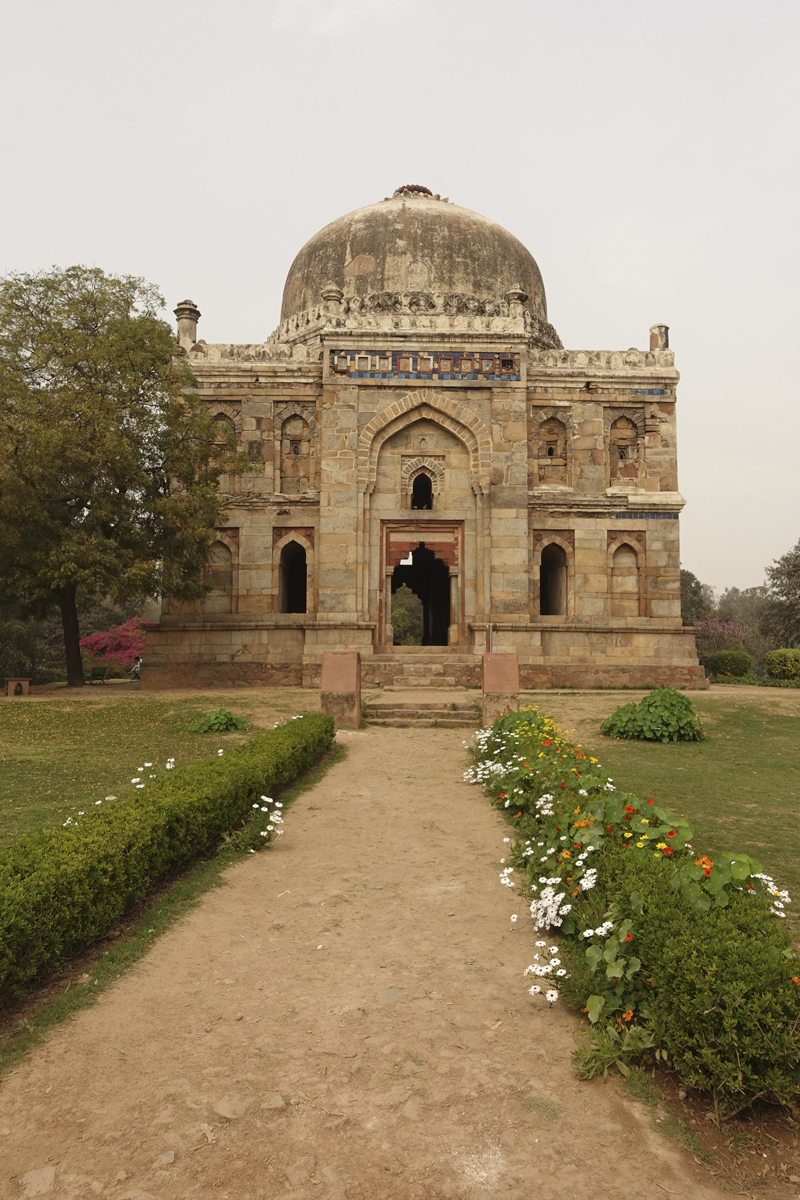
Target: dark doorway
[
  {"x": 553, "y": 582},
  {"x": 422, "y": 492},
  {"x": 293, "y": 579},
  {"x": 427, "y": 577}
]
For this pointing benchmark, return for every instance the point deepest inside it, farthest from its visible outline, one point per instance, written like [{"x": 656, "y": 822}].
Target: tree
[
  {"x": 697, "y": 599},
  {"x": 108, "y": 459},
  {"x": 407, "y": 619},
  {"x": 782, "y": 619}
]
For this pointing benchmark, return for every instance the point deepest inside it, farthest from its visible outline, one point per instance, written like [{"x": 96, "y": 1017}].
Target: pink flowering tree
[{"x": 119, "y": 646}]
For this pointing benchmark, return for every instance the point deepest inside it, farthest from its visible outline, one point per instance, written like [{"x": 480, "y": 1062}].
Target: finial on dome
[{"x": 413, "y": 189}]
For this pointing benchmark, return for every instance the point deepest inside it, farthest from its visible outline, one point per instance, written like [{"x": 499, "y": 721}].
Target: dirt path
[{"x": 346, "y": 1019}]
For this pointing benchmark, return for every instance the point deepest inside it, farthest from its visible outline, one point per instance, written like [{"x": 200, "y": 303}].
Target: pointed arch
[{"x": 416, "y": 406}]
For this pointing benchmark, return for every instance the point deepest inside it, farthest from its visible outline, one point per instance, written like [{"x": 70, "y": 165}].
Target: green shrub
[
  {"x": 730, "y": 662},
  {"x": 62, "y": 887},
  {"x": 673, "y": 957},
  {"x": 219, "y": 721},
  {"x": 664, "y": 716},
  {"x": 713, "y": 987},
  {"x": 783, "y": 664}
]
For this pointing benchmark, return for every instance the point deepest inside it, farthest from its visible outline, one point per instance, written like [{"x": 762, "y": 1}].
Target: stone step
[
  {"x": 462, "y": 716},
  {"x": 450, "y": 722},
  {"x": 438, "y": 705}
]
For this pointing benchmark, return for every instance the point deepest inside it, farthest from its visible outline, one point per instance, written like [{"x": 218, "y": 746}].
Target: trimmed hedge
[
  {"x": 62, "y": 887},
  {"x": 730, "y": 662},
  {"x": 783, "y": 664}
]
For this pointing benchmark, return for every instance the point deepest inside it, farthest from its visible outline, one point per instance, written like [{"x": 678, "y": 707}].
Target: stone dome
[{"x": 413, "y": 242}]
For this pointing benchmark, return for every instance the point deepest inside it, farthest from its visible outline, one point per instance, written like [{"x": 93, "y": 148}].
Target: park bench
[
  {"x": 97, "y": 675},
  {"x": 17, "y": 681}
]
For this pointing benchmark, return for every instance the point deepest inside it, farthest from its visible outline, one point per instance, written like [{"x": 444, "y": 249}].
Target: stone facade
[{"x": 414, "y": 432}]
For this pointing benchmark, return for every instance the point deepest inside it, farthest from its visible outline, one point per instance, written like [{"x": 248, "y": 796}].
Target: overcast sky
[{"x": 645, "y": 152}]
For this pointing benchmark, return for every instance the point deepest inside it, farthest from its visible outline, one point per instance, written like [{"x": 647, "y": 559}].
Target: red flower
[
  {"x": 629, "y": 809},
  {"x": 649, "y": 801},
  {"x": 627, "y": 817},
  {"x": 547, "y": 743},
  {"x": 671, "y": 834},
  {"x": 628, "y": 937},
  {"x": 609, "y": 828},
  {"x": 707, "y": 872},
  {"x": 563, "y": 785}
]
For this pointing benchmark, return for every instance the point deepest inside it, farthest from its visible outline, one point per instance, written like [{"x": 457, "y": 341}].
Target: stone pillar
[
  {"x": 340, "y": 687},
  {"x": 659, "y": 337},
  {"x": 454, "y": 629},
  {"x": 332, "y": 297},
  {"x": 187, "y": 314},
  {"x": 388, "y": 628},
  {"x": 516, "y": 298},
  {"x": 500, "y": 683}
]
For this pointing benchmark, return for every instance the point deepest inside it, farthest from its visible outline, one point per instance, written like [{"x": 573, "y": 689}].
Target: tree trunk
[{"x": 72, "y": 635}]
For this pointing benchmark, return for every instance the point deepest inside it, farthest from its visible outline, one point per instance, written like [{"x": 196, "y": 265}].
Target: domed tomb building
[{"x": 415, "y": 420}]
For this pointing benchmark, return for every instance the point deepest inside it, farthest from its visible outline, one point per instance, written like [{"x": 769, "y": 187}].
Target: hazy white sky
[{"x": 645, "y": 152}]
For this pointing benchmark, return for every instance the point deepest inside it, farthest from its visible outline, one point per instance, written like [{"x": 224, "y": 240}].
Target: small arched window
[
  {"x": 422, "y": 491},
  {"x": 292, "y": 579}
]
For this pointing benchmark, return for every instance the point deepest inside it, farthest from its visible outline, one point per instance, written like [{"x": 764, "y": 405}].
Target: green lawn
[
  {"x": 740, "y": 787},
  {"x": 60, "y": 755}
]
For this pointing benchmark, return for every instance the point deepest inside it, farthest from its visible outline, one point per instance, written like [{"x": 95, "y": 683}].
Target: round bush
[
  {"x": 664, "y": 716},
  {"x": 783, "y": 664},
  {"x": 730, "y": 662}
]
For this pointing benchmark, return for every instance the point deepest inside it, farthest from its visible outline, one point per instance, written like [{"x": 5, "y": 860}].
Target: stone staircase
[
  {"x": 421, "y": 667},
  {"x": 450, "y": 708}
]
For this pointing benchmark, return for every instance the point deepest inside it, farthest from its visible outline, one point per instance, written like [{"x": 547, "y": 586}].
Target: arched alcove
[
  {"x": 553, "y": 582},
  {"x": 292, "y": 579},
  {"x": 625, "y": 582},
  {"x": 218, "y": 572},
  {"x": 623, "y": 449}
]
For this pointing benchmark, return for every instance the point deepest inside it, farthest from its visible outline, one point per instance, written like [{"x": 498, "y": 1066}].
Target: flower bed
[
  {"x": 62, "y": 887},
  {"x": 669, "y": 954}
]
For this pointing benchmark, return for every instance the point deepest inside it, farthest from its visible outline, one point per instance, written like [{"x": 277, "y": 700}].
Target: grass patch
[
  {"x": 739, "y": 788},
  {"x": 60, "y": 755},
  {"x": 33, "y": 1020}
]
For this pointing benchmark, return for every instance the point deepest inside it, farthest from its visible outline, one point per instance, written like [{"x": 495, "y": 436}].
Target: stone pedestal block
[
  {"x": 340, "y": 687},
  {"x": 500, "y": 685}
]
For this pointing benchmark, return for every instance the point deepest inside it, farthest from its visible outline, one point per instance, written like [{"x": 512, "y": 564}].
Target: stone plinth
[
  {"x": 500, "y": 685},
  {"x": 13, "y": 681},
  {"x": 340, "y": 687}
]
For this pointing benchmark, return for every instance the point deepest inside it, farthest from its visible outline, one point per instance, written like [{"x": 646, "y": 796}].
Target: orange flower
[
  {"x": 566, "y": 854},
  {"x": 627, "y": 1015},
  {"x": 795, "y": 979},
  {"x": 628, "y": 937}
]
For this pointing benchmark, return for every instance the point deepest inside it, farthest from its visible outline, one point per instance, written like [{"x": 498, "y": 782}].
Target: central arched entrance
[{"x": 428, "y": 578}]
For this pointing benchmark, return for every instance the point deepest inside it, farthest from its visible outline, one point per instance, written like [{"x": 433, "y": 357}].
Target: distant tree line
[{"x": 756, "y": 619}]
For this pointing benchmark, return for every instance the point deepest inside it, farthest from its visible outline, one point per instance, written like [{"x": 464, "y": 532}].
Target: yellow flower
[
  {"x": 644, "y": 821},
  {"x": 628, "y": 835},
  {"x": 656, "y": 854},
  {"x": 662, "y": 845},
  {"x": 640, "y": 844}
]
